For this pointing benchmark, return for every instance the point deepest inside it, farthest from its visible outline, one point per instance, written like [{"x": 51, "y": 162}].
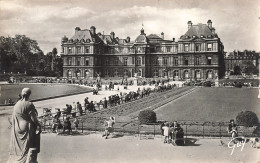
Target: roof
[
  {"x": 198, "y": 30},
  {"x": 82, "y": 34},
  {"x": 154, "y": 36}
]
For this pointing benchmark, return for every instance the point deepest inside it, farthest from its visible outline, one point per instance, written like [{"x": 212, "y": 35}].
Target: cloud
[{"x": 47, "y": 22}]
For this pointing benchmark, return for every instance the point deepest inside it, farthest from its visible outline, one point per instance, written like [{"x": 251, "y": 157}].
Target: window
[
  {"x": 69, "y": 61},
  {"x": 106, "y": 61},
  {"x": 78, "y": 50},
  {"x": 156, "y": 61},
  {"x": 186, "y": 61},
  {"x": 198, "y": 74},
  {"x": 69, "y": 74},
  {"x": 133, "y": 60},
  {"x": 209, "y": 61},
  {"x": 175, "y": 61},
  {"x": 197, "y": 60},
  {"x": 125, "y": 61},
  {"x": 87, "y": 49},
  {"x": 78, "y": 61},
  {"x": 165, "y": 60},
  {"x": 156, "y": 73},
  {"x": 116, "y": 73},
  {"x": 175, "y": 73},
  {"x": 69, "y": 50},
  {"x": 126, "y": 73},
  {"x": 87, "y": 62},
  {"x": 209, "y": 47},
  {"x": 168, "y": 49},
  {"x": 209, "y": 74},
  {"x": 139, "y": 73},
  {"x": 86, "y": 73},
  {"x": 106, "y": 73},
  {"x": 62, "y": 49},
  {"x": 186, "y": 74},
  {"x": 116, "y": 61},
  {"x": 142, "y": 60},
  {"x": 186, "y": 47},
  {"x": 197, "y": 47},
  {"x": 78, "y": 73},
  {"x": 138, "y": 61}
]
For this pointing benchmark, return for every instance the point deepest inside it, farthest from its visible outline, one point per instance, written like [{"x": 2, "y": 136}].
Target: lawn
[
  {"x": 38, "y": 90},
  {"x": 211, "y": 104}
]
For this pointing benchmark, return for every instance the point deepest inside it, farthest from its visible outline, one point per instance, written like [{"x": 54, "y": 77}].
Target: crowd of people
[{"x": 172, "y": 132}]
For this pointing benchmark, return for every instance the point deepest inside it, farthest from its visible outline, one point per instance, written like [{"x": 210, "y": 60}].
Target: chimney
[
  {"x": 209, "y": 24},
  {"x": 213, "y": 30},
  {"x": 93, "y": 30},
  {"x": 112, "y": 34},
  {"x": 77, "y": 29},
  {"x": 162, "y": 35},
  {"x": 173, "y": 39},
  {"x": 189, "y": 24},
  {"x": 128, "y": 39}
]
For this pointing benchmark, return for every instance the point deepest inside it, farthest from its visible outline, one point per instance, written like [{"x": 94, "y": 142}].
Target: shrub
[
  {"x": 147, "y": 116},
  {"x": 238, "y": 84},
  {"x": 207, "y": 84},
  {"x": 247, "y": 118}
]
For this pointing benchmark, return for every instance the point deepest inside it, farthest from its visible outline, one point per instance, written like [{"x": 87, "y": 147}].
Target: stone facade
[{"x": 197, "y": 55}]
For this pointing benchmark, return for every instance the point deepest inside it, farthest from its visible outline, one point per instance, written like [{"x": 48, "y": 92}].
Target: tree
[
  {"x": 249, "y": 68},
  {"x": 237, "y": 70}
]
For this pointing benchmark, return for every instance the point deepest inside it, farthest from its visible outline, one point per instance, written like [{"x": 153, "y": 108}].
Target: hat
[{"x": 26, "y": 91}]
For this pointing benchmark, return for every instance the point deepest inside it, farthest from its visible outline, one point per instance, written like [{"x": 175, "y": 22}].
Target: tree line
[{"x": 22, "y": 55}]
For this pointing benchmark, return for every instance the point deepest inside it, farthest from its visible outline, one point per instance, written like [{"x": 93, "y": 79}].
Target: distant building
[
  {"x": 197, "y": 55},
  {"x": 239, "y": 58}
]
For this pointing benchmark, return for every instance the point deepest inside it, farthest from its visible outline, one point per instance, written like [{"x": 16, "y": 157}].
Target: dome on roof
[{"x": 64, "y": 39}]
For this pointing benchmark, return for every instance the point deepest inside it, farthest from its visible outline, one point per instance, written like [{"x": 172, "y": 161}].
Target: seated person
[
  {"x": 67, "y": 125},
  {"x": 232, "y": 129}
]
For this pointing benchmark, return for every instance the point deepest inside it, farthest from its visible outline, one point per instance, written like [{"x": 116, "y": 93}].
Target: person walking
[{"x": 25, "y": 139}]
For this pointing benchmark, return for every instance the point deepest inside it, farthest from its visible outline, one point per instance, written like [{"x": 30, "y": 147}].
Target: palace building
[{"x": 196, "y": 55}]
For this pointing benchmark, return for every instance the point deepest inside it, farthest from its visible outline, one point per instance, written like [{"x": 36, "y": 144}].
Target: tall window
[
  {"x": 197, "y": 47},
  {"x": 175, "y": 61},
  {"x": 209, "y": 60},
  {"x": 116, "y": 61},
  {"x": 176, "y": 73},
  {"x": 87, "y": 62},
  {"x": 168, "y": 49},
  {"x": 106, "y": 61},
  {"x": 78, "y": 50},
  {"x": 138, "y": 61},
  {"x": 116, "y": 73},
  {"x": 209, "y": 48},
  {"x": 139, "y": 73},
  {"x": 69, "y": 50},
  {"x": 198, "y": 74},
  {"x": 210, "y": 74},
  {"x": 186, "y": 61},
  {"x": 106, "y": 73},
  {"x": 69, "y": 61},
  {"x": 78, "y": 61},
  {"x": 156, "y": 73},
  {"x": 186, "y": 74},
  {"x": 197, "y": 60},
  {"x": 156, "y": 61},
  {"x": 126, "y": 73},
  {"x": 165, "y": 60},
  {"x": 125, "y": 61},
  {"x": 186, "y": 47},
  {"x": 87, "y": 49},
  {"x": 69, "y": 74}
]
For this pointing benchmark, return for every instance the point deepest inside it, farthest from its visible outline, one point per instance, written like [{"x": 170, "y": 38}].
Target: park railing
[{"x": 190, "y": 128}]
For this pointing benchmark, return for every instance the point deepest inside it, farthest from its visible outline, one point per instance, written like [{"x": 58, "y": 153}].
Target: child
[
  {"x": 76, "y": 124},
  {"x": 166, "y": 132}
]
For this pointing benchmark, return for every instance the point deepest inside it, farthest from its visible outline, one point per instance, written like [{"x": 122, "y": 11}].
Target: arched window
[
  {"x": 176, "y": 73},
  {"x": 198, "y": 75},
  {"x": 186, "y": 74},
  {"x": 86, "y": 73},
  {"x": 155, "y": 73},
  {"x": 69, "y": 74},
  {"x": 210, "y": 74}
]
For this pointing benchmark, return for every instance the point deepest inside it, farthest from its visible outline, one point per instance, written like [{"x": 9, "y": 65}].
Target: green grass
[
  {"x": 211, "y": 104},
  {"x": 38, "y": 90}
]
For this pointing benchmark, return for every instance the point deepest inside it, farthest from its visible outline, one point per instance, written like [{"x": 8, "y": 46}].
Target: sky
[{"x": 237, "y": 22}]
